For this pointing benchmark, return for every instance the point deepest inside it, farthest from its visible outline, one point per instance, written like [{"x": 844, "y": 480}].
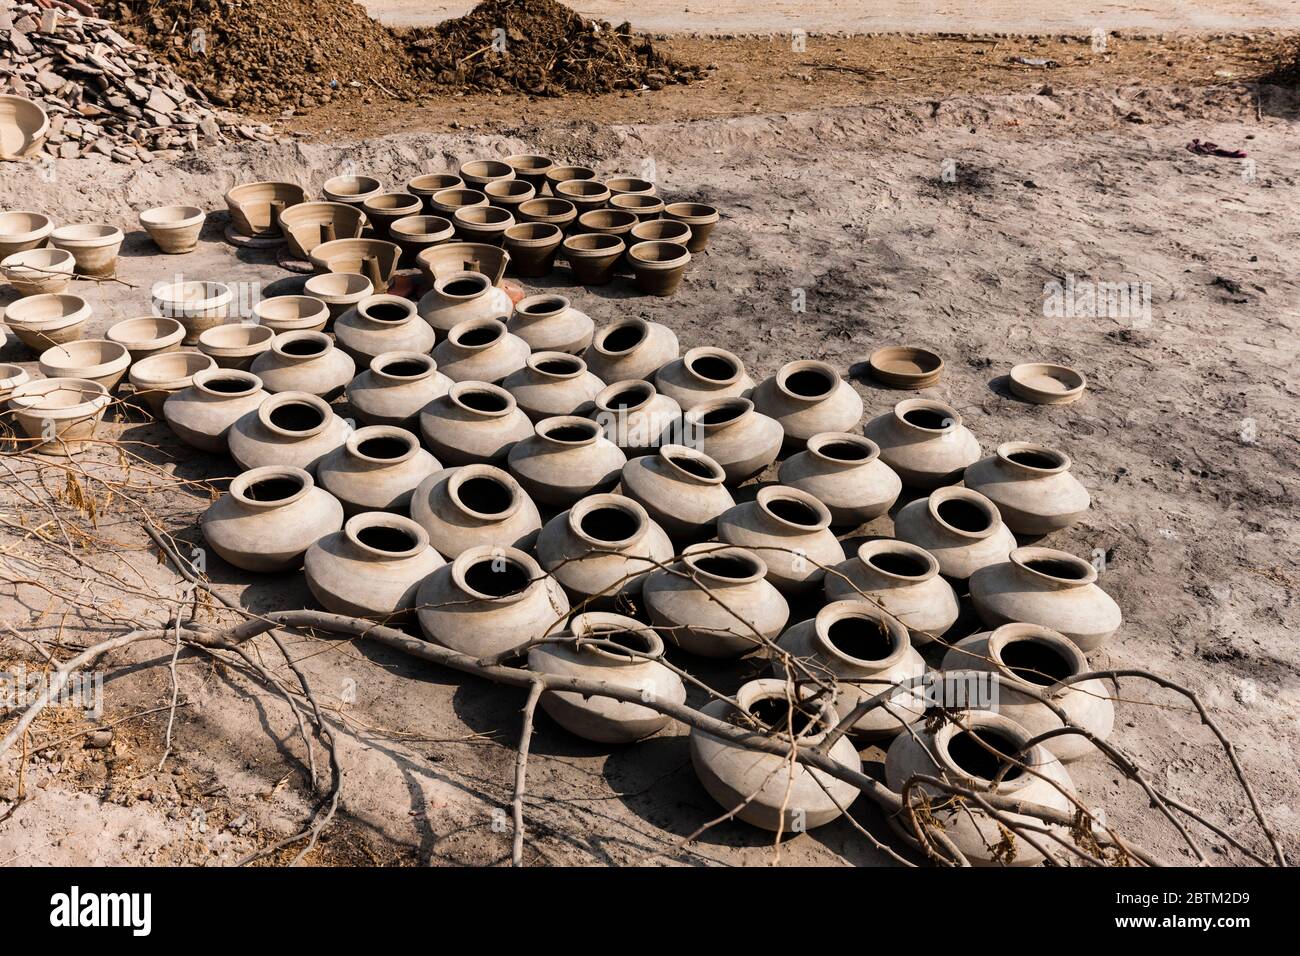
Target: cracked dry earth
[{"x": 1187, "y": 439}]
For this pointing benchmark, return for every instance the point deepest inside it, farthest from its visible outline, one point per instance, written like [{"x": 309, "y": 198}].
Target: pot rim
[
  {"x": 602, "y": 398},
  {"x": 1022, "y": 633},
  {"x": 693, "y": 213},
  {"x": 240, "y": 483},
  {"x": 459, "y": 330},
  {"x": 489, "y": 169},
  {"x": 782, "y": 378},
  {"x": 535, "y": 359},
  {"x": 520, "y": 161},
  {"x": 625, "y": 220},
  {"x": 830, "y": 614},
  {"x": 319, "y": 312},
  {"x": 526, "y": 306},
  {"x": 279, "y": 400},
  {"x": 106, "y": 235},
  {"x": 472, "y": 197},
  {"x": 817, "y": 443},
  {"x": 28, "y": 395},
  {"x": 951, "y": 493},
  {"x": 117, "y": 333},
  {"x": 207, "y": 345},
  {"x": 40, "y": 231},
  {"x": 552, "y": 238},
  {"x": 404, "y": 228},
  {"x": 383, "y": 519},
  {"x": 140, "y": 377},
  {"x": 1021, "y": 558},
  {"x": 337, "y": 297},
  {"x": 215, "y": 295},
  {"x": 974, "y": 720},
  {"x": 630, "y": 185},
  {"x": 547, "y": 426},
  {"x": 415, "y": 202},
  {"x": 637, "y": 255},
  {"x": 488, "y": 552},
  {"x": 383, "y": 359},
  {"x": 490, "y": 472},
  {"x": 301, "y": 335},
  {"x": 461, "y": 388},
  {"x": 716, "y": 549},
  {"x": 770, "y": 688},
  {"x": 482, "y": 283},
  {"x": 191, "y": 216},
  {"x": 483, "y": 218},
  {"x": 951, "y": 415},
  {"x": 603, "y": 334},
  {"x": 412, "y": 184},
  {"x": 696, "y": 413},
  {"x": 384, "y": 298},
  {"x": 772, "y": 493},
  {"x": 869, "y": 549},
  {"x": 616, "y": 503},
  {"x": 642, "y": 202},
  {"x": 567, "y": 209},
  {"x": 355, "y": 440},
  {"x": 709, "y": 351},
  {"x": 372, "y": 186},
  {"x": 80, "y": 313},
  {"x": 63, "y": 263},
  {"x": 511, "y": 189},
  {"x": 582, "y": 190},
  {"x": 595, "y": 245},
  {"x": 52, "y": 356},
  {"x": 11, "y": 376},
  {"x": 1009, "y": 448},
  {"x": 590, "y": 625},
  {"x": 671, "y": 451},
  {"x": 201, "y": 379},
  {"x": 572, "y": 173}
]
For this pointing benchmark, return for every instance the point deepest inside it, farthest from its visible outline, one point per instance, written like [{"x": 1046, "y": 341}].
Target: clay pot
[
  {"x": 646, "y": 207},
  {"x": 23, "y": 127},
  {"x": 630, "y": 659},
  {"x": 485, "y": 224},
  {"x": 156, "y": 378},
  {"x": 567, "y": 459},
  {"x": 304, "y": 362},
  {"x": 38, "y": 271},
  {"x": 462, "y": 508},
  {"x": 532, "y": 169},
  {"x": 414, "y": 234},
  {"x": 593, "y": 257},
  {"x": 703, "y": 373},
  {"x": 680, "y": 488},
  {"x": 386, "y": 208},
  {"x": 960, "y": 527},
  {"x": 585, "y": 194},
  {"x": 96, "y": 360},
  {"x": 339, "y": 291},
  {"x": 1046, "y": 384},
  {"x": 146, "y": 336},
  {"x": 630, "y": 186},
  {"x": 255, "y": 207},
  {"x": 658, "y": 266},
  {"x": 613, "y": 222},
  {"x": 635, "y": 417},
  {"x": 552, "y": 383},
  {"x": 174, "y": 229},
  {"x": 93, "y": 246},
  {"x": 376, "y": 469},
  {"x": 235, "y": 346},
  {"x": 550, "y": 323},
  {"x": 372, "y": 568},
  {"x": 43, "y": 321},
  {"x": 1047, "y": 587},
  {"x": 844, "y": 472},
  {"x": 808, "y": 398},
  {"x": 905, "y": 366},
  {"x": 379, "y": 324},
  {"x": 58, "y": 414},
  {"x": 508, "y": 194},
  {"x": 1031, "y": 660},
  {"x": 11, "y": 376},
  {"x": 738, "y": 438},
  {"x": 790, "y": 530},
  {"x": 563, "y": 174},
  {"x": 201, "y": 415},
  {"x": 291, "y": 428},
  {"x": 198, "y": 306},
  {"x": 292, "y": 313},
  {"x": 490, "y": 600},
  {"x": 479, "y": 172},
  {"x": 555, "y": 212},
  {"x": 461, "y": 296},
  {"x": 269, "y": 518},
  {"x": 447, "y": 202},
  {"x": 21, "y": 230},
  {"x": 630, "y": 348},
  {"x": 661, "y": 230},
  {"x": 925, "y": 442},
  {"x": 480, "y": 350},
  {"x": 352, "y": 190},
  {"x": 863, "y": 651},
  {"x": 699, "y": 217},
  {"x": 426, "y": 185},
  {"x": 375, "y": 259},
  {"x": 601, "y": 550},
  {"x": 474, "y": 422},
  {"x": 395, "y": 388},
  {"x": 1031, "y": 486},
  {"x": 767, "y": 790},
  {"x": 533, "y": 247},
  {"x": 954, "y": 752},
  {"x": 901, "y": 579},
  {"x": 307, "y": 225}
]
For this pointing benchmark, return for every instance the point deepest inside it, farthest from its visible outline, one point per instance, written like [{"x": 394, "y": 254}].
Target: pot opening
[
  {"x": 722, "y": 414},
  {"x": 543, "y": 306},
  {"x": 405, "y": 368},
  {"x": 609, "y": 524},
  {"x": 387, "y": 312},
  {"x": 228, "y": 386},
  {"x": 487, "y": 496},
  {"x": 1036, "y": 662},
  {"x": 714, "y": 368},
  {"x": 809, "y": 383},
  {"x": 971, "y": 758},
  {"x": 732, "y": 566},
  {"x": 304, "y": 347},
  {"x": 497, "y": 577},
  {"x": 479, "y": 335},
  {"x": 861, "y": 638},
  {"x": 1036, "y": 459},
  {"x": 558, "y": 366},
  {"x": 481, "y": 400},
  {"x": 383, "y": 538},
  {"x": 903, "y": 565},
  {"x": 781, "y": 715},
  {"x": 385, "y": 448},
  {"x": 624, "y": 338},
  {"x": 632, "y": 640},
  {"x": 631, "y": 397},
  {"x": 964, "y": 515},
  {"x": 574, "y": 432},
  {"x": 296, "y": 417},
  {"x": 794, "y": 511},
  {"x": 273, "y": 489},
  {"x": 927, "y": 418},
  {"x": 1055, "y": 568},
  {"x": 464, "y": 287},
  {"x": 845, "y": 451},
  {"x": 694, "y": 466}
]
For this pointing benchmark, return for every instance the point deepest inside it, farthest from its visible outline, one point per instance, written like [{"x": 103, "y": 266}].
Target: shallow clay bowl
[
  {"x": 1045, "y": 384},
  {"x": 250, "y": 206},
  {"x": 339, "y": 291},
  {"x": 417, "y": 233},
  {"x": 427, "y": 184},
  {"x": 308, "y": 224},
  {"x": 292, "y": 313},
  {"x": 661, "y": 230},
  {"x": 11, "y": 376},
  {"x": 479, "y": 172},
  {"x": 630, "y": 186},
  {"x": 174, "y": 229},
  {"x": 531, "y": 168},
  {"x": 94, "y": 360},
  {"x": 94, "y": 246},
  {"x": 21, "y": 230},
  {"x": 562, "y": 174},
  {"x": 235, "y": 346},
  {"x": 41, "y": 321},
  {"x": 645, "y": 205},
  {"x": 352, "y": 190},
  {"x": 38, "y": 271},
  {"x": 150, "y": 335},
  {"x": 352, "y": 255},
  {"x": 905, "y": 366},
  {"x": 156, "y": 377},
  {"x": 449, "y": 257},
  {"x": 445, "y": 202},
  {"x": 23, "y": 126}
]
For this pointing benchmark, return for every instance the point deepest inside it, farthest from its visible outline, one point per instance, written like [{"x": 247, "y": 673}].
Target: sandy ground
[{"x": 1187, "y": 440}]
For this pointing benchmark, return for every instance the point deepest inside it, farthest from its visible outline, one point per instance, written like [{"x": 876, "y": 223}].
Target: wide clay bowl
[
  {"x": 292, "y": 313},
  {"x": 155, "y": 377},
  {"x": 479, "y": 172},
  {"x": 339, "y": 291},
  {"x": 1046, "y": 384},
  {"x": 531, "y": 168},
  {"x": 451, "y": 257},
  {"x": 661, "y": 230},
  {"x": 426, "y": 184},
  {"x": 235, "y": 345},
  {"x": 93, "y": 245},
  {"x": 307, "y": 225},
  {"x": 150, "y": 335},
  {"x": 21, "y": 230},
  {"x": 71, "y": 407},
  {"x": 373, "y": 258},
  {"x": 905, "y": 366},
  {"x": 40, "y": 321},
  {"x": 95, "y": 360},
  {"x": 39, "y": 271},
  {"x": 254, "y": 206},
  {"x": 353, "y": 190},
  {"x": 174, "y": 229},
  {"x": 563, "y": 174},
  {"x": 23, "y": 127}
]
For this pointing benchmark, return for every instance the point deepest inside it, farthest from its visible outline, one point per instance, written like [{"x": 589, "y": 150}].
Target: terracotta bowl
[
  {"x": 905, "y": 366},
  {"x": 1045, "y": 384},
  {"x": 308, "y": 224},
  {"x": 41, "y": 321},
  {"x": 149, "y": 335},
  {"x": 38, "y": 271},
  {"x": 23, "y": 127},
  {"x": 236, "y": 345},
  {"x": 250, "y": 206},
  {"x": 95, "y": 360},
  {"x": 661, "y": 230},
  {"x": 531, "y": 168},
  {"x": 426, "y": 184},
  {"x": 21, "y": 230},
  {"x": 451, "y": 257},
  {"x": 479, "y": 172},
  {"x": 339, "y": 291},
  {"x": 353, "y": 190},
  {"x": 292, "y": 313}
]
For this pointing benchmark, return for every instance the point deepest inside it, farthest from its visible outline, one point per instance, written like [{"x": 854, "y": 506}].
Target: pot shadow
[
  {"x": 286, "y": 285},
  {"x": 561, "y": 278}
]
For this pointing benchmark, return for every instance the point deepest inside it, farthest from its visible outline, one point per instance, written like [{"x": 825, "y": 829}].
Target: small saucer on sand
[
  {"x": 1046, "y": 384},
  {"x": 905, "y": 366}
]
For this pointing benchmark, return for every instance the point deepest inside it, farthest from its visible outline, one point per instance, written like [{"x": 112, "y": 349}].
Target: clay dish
[
  {"x": 150, "y": 335},
  {"x": 1045, "y": 384},
  {"x": 905, "y": 366}
]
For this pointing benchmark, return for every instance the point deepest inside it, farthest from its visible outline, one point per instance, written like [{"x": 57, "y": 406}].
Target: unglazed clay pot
[
  {"x": 925, "y": 442},
  {"x": 174, "y": 229},
  {"x": 630, "y": 186},
  {"x": 864, "y": 651},
  {"x": 630, "y": 348},
  {"x": 304, "y": 362},
  {"x": 593, "y": 256},
  {"x": 474, "y": 422},
  {"x": 508, "y": 194},
  {"x": 38, "y": 271},
  {"x": 269, "y": 518},
  {"x": 614, "y": 222},
  {"x": 201, "y": 415},
  {"x": 146, "y": 336},
  {"x": 630, "y": 659},
  {"x": 473, "y": 505},
  {"x": 395, "y": 388},
  {"x": 293, "y": 313},
  {"x": 808, "y": 398},
  {"x": 386, "y": 208},
  {"x": 661, "y": 230},
  {"x": 767, "y": 790},
  {"x": 658, "y": 267},
  {"x": 94, "y": 360},
  {"x": 636, "y": 417},
  {"x": 556, "y": 212},
  {"x": 379, "y": 324},
  {"x": 844, "y": 472},
  {"x": 702, "y": 374},
  {"x": 553, "y": 383},
  {"x": 486, "y": 224},
  {"x": 427, "y": 185},
  {"x": 353, "y": 190},
  {"x": 790, "y": 530},
  {"x": 93, "y": 245},
  {"x": 680, "y": 488},
  {"x": 901, "y": 579},
  {"x": 699, "y": 217},
  {"x": 480, "y": 350},
  {"x": 647, "y": 208},
  {"x": 478, "y": 173},
  {"x": 563, "y": 174},
  {"x": 448, "y": 201},
  {"x": 59, "y": 415},
  {"x": 156, "y": 378},
  {"x": 1031, "y": 486},
  {"x": 255, "y": 207},
  {"x": 22, "y": 230},
  {"x": 461, "y": 296},
  {"x": 235, "y": 345},
  {"x": 414, "y": 234},
  {"x": 307, "y": 225},
  {"x": 1032, "y": 660},
  {"x": 567, "y": 459},
  {"x": 585, "y": 194},
  {"x": 196, "y": 305},
  {"x": 550, "y": 323},
  {"x": 373, "y": 568},
  {"x": 11, "y": 376},
  {"x": 43, "y": 321},
  {"x": 533, "y": 247},
  {"x": 378, "y": 468},
  {"x": 960, "y": 527},
  {"x": 339, "y": 291},
  {"x": 291, "y": 428},
  {"x": 741, "y": 440},
  {"x": 531, "y": 168},
  {"x": 951, "y": 751},
  {"x": 490, "y": 600},
  {"x": 601, "y": 550},
  {"x": 1047, "y": 587}
]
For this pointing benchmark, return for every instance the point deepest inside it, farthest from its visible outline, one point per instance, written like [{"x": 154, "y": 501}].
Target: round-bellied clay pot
[
  {"x": 1047, "y": 587},
  {"x": 550, "y": 323},
  {"x": 42, "y": 321},
  {"x": 39, "y": 271},
  {"x": 790, "y": 530},
  {"x": 566, "y": 459},
  {"x": 386, "y": 208},
  {"x": 485, "y": 224},
  {"x": 808, "y": 398},
  {"x": 729, "y": 431},
  {"x": 292, "y": 313},
  {"x": 844, "y": 472},
  {"x": 585, "y": 194},
  {"x": 903, "y": 580},
  {"x": 378, "y": 468},
  {"x": 552, "y": 211},
  {"x": 379, "y": 324},
  {"x": 339, "y": 291},
  {"x": 593, "y": 256},
  {"x": 269, "y": 518},
  {"x": 255, "y": 207},
  {"x": 473, "y": 423},
  {"x": 94, "y": 360},
  {"x": 636, "y": 417},
  {"x": 956, "y": 752},
  {"x": 11, "y": 376},
  {"x": 614, "y": 222},
  {"x": 480, "y": 350},
  {"x": 174, "y": 229},
  {"x": 766, "y": 790},
  {"x": 201, "y": 414},
  {"x": 508, "y": 194},
  {"x": 552, "y": 383},
  {"x": 563, "y": 174},
  {"x": 658, "y": 267},
  {"x": 146, "y": 336},
  {"x": 353, "y": 190},
  {"x": 291, "y": 428},
  {"x": 680, "y": 488},
  {"x": 1031, "y": 486},
  {"x": 473, "y": 505},
  {"x": 490, "y": 600},
  {"x": 533, "y": 247},
  {"x": 372, "y": 568},
  {"x": 395, "y": 388},
  {"x": 701, "y": 374},
  {"x": 58, "y": 415},
  {"x": 309, "y": 224},
  {"x": 1030, "y": 661},
  {"x": 236, "y": 345},
  {"x": 864, "y": 651},
  {"x": 531, "y": 168},
  {"x": 461, "y": 296},
  {"x": 602, "y": 549},
  {"x": 699, "y": 217},
  {"x": 157, "y": 377},
  {"x": 304, "y": 362},
  {"x": 93, "y": 245},
  {"x": 629, "y": 656},
  {"x": 428, "y": 184},
  {"x": 21, "y": 230},
  {"x": 661, "y": 230},
  {"x": 925, "y": 442},
  {"x": 414, "y": 234},
  {"x": 630, "y": 186},
  {"x": 477, "y": 173},
  {"x": 196, "y": 305},
  {"x": 630, "y": 348},
  {"x": 960, "y": 527},
  {"x": 446, "y": 202}
]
